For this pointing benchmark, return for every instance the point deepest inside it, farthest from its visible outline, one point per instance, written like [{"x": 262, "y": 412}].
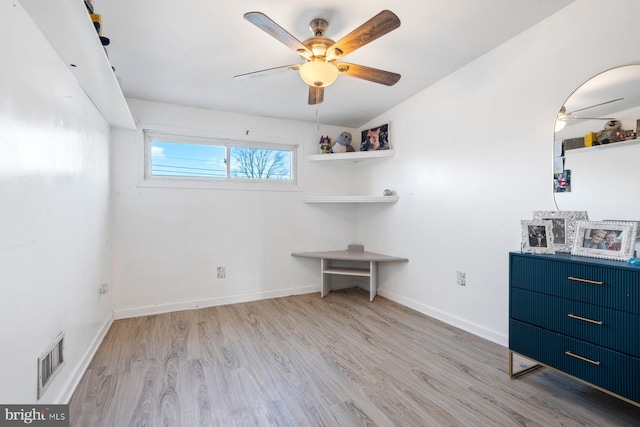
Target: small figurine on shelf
[{"x": 325, "y": 145}]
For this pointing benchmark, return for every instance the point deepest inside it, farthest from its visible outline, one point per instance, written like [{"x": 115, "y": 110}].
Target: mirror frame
[{"x": 599, "y": 89}]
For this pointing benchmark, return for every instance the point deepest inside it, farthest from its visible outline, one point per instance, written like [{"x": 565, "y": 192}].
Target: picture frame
[
  {"x": 562, "y": 182},
  {"x": 376, "y": 138},
  {"x": 625, "y": 220},
  {"x": 605, "y": 239},
  {"x": 537, "y": 236},
  {"x": 563, "y": 226}
]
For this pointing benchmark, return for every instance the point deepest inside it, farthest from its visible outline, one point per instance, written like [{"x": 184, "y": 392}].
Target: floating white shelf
[
  {"x": 350, "y": 199},
  {"x": 355, "y": 156},
  {"x": 68, "y": 27},
  {"x": 604, "y": 146}
]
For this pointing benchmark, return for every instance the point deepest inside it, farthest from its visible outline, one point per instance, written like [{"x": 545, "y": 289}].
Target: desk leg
[
  {"x": 373, "y": 280},
  {"x": 325, "y": 280}
]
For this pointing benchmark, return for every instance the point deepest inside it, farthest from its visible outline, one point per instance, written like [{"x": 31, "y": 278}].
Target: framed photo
[
  {"x": 563, "y": 226},
  {"x": 605, "y": 239},
  {"x": 537, "y": 236},
  {"x": 375, "y": 139},
  {"x": 562, "y": 182},
  {"x": 624, "y": 220}
]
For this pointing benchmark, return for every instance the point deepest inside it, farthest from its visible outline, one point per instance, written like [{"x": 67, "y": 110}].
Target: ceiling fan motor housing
[
  {"x": 318, "y": 27},
  {"x": 319, "y": 44}
]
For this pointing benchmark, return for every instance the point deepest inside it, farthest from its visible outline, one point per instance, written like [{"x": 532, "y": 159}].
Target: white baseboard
[
  {"x": 126, "y": 313},
  {"x": 67, "y": 391},
  {"x": 463, "y": 324}
]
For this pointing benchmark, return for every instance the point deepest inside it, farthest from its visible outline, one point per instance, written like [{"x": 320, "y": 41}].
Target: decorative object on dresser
[
  {"x": 564, "y": 226},
  {"x": 537, "y": 236},
  {"x": 605, "y": 239},
  {"x": 579, "y": 316}
]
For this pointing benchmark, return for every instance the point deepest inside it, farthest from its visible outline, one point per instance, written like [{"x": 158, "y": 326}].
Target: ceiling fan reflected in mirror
[
  {"x": 563, "y": 116},
  {"x": 321, "y": 54}
]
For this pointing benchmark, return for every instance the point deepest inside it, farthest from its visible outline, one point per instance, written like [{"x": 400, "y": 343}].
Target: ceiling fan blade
[
  {"x": 587, "y": 118},
  {"x": 367, "y": 73},
  {"x": 316, "y": 95},
  {"x": 381, "y": 24},
  {"x": 267, "y": 71},
  {"x": 595, "y": 105},
  {"x": 266, "y": 24}
]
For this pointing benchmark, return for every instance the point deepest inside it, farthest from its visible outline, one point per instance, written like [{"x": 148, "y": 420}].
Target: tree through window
[{"x": 260, "y": 163}]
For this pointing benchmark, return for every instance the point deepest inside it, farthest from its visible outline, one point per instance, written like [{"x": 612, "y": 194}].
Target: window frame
[{"x": 228, "y": 182}]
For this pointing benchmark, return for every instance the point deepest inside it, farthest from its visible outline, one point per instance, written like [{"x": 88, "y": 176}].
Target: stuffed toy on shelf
[
  {"x": 610, "y": 132},
  {"x": 343, "y": 144}
]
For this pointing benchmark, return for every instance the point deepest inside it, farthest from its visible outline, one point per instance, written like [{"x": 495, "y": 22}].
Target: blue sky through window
[{"x": 188, "y": 160}]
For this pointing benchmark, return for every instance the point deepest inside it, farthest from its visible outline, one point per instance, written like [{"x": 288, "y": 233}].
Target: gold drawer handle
[
  {"x": 593, "y": 282},
  {"x": 581, "y": 358},
  {"x": 584, "y": 319}
]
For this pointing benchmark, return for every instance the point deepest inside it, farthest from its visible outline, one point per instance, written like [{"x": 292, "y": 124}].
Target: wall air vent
[{"x": 49, "y": 363}]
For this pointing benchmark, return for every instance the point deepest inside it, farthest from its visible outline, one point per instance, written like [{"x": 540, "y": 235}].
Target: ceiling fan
[
  {"x": 320, "y": 53},
  {"x": 563, "y": 115}
]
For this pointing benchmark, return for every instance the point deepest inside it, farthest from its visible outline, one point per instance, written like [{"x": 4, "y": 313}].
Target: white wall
[
  {"x": 168, "y": 242},
  {"x": 474, "y": 158},
  {"x": 54, "y": 216}
]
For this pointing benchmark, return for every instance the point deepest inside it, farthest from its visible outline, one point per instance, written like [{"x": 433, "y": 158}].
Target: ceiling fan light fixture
[{"x": 318, "y": 73}]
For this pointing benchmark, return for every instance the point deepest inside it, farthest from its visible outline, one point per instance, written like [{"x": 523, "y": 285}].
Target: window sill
[{"x": 216, "y": 185}]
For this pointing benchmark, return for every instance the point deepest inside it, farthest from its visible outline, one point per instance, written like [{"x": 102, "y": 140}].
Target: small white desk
[{"x": 329, "y": 267}]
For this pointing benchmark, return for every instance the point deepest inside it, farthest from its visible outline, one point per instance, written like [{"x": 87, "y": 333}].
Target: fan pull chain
[{"x": 318, "y": 118}]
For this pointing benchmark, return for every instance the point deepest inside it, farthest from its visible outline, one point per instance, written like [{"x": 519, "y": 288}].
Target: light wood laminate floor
[{"x": 305, "y": 361}]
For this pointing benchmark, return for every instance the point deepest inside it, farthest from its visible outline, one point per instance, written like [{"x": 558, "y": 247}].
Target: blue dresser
[{"x": 578, "y": 315}]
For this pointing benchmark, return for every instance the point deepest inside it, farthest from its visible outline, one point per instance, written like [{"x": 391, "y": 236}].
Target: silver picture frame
[
  {"x": 605, "y": 239},
  {"x": 537, "y": 236},
  {"x": 563, "y": 226}
]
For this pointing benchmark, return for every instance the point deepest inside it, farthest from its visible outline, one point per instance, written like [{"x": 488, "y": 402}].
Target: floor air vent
[{"x": 49, "y": 363}]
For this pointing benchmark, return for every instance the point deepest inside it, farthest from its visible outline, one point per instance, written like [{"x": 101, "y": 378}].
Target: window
[
  {"x": 177, "y": 160},
  {"x": 187, "y": 160}
]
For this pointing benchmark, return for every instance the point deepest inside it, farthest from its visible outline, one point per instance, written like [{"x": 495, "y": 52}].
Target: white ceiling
[{"x": 187, "y": 52}]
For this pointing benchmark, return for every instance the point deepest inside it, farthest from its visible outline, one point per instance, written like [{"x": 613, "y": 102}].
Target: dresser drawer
[
  {"x": 592, "y": 281},
  {"x": 603, "y": 326},
  {"x": 610, "y": 370}
]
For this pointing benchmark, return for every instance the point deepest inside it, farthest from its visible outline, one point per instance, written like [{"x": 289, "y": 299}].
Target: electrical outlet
[
  {"x": 461, "y": 278},
  {"x": 221, "y": 273},
  {"x": 104, "y": 288}
]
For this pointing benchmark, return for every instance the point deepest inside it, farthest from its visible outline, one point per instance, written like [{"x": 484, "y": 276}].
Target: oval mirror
[{"x": 603, "y": 167}]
